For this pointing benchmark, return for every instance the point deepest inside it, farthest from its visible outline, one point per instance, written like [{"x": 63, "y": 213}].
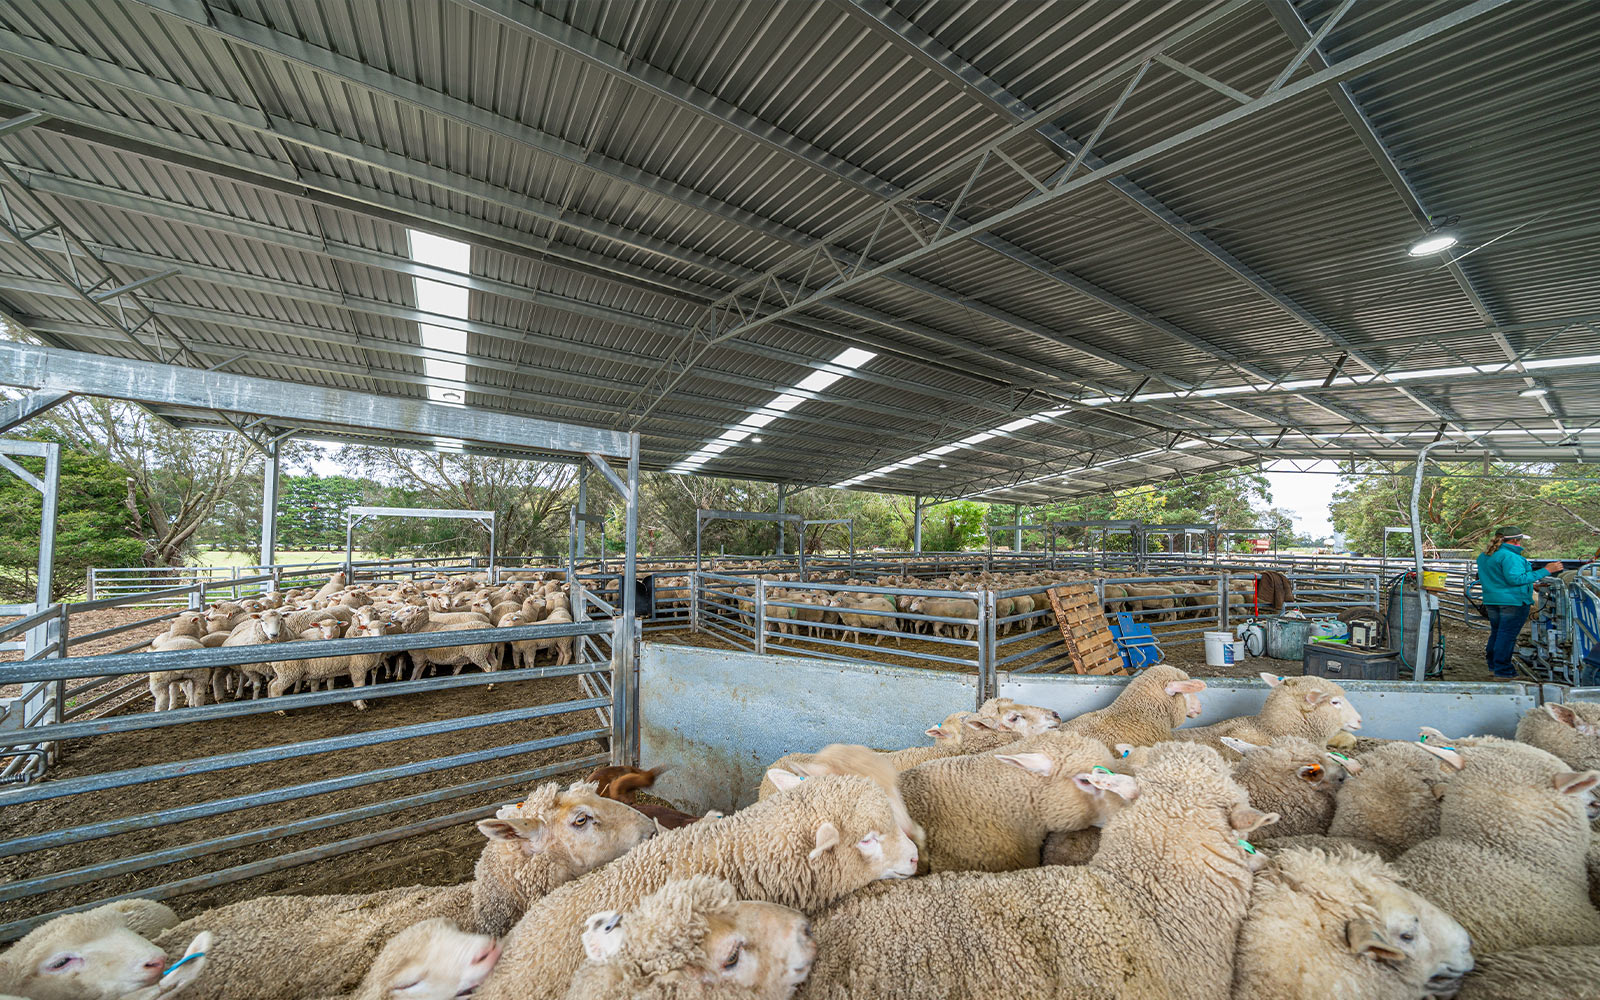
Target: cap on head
[{"x": 1510, "y": 532}]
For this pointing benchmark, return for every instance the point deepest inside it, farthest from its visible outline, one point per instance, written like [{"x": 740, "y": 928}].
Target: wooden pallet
[{"x": 1083, "y": 626}]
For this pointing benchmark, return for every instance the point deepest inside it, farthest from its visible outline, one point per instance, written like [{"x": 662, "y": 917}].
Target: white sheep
[
  {"x": 804, "y": 848},
  {"x": 430, "y": 960},
  {"x": 1569, "y": 972},
  {"x": 292, "y": 947},
  {"x": 1314, "y": 708},
  {"x": 1342, "y": 925},
  {"x": 1154, "y": 915},
  {"x": 1160, "y": 699},
  {"x": 102, "y": 954},
  {"x": 1509, "y": 858},
  {"x": 694, "y": 938},
  {"x": 1571, "y": 731}
]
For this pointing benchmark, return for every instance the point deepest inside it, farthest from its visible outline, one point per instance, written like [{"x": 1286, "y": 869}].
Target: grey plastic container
[
  {"x": 1287, "y": 637},
  {"x": 1338, "y": 662}
]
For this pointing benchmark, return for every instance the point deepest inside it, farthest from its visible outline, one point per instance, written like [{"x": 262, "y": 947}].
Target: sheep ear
[
  {"x": 1273, "y": 680},
  {"x": 1237, "y": 745},
  {"x": 1365, "y": 938},
  {"x": 783, "y": 780},
  {"x": 1247, "y": 818},
  {"x": 1430, "y": 733},
  {"x": 1562, "y": 714},
  {"x": 1575, "y": 782},
  {"x": 979, "y": 722},
  {"x": 1446, "y": 754},
  {"x": 1123, "y": 749},
  {"x": 603, "y": 935},
  {"x": 1350, "y": 764},
  {"x": 1096, "y": 782},
  {"x": 1311, "y": 773},
  {"x": 1033, "y": 763},
  {"x": 827, "y": 838},
  {"x": 188, "y": 970},
  {"x": 1185, "y": 687},
  {"x": 937, "y": 732},
  {"x": 1315, "y": 698},
  {"x": 507, "y": 829}
]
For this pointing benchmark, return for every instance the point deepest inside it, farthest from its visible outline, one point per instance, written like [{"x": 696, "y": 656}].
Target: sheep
[
  {"x": 336, "y": 582},
  {"x": 166, "y": 684},
  {"x": 484, "y": 655},
  {"x": 804, "y": 847},
  {"x": 1341, "y": 925},
  {"x": 1393, "y": 803},
  {"x": 1570, "y": 973},
  {"x": 1153, "y": 915},
  {"x": 1294, "y": 778},
  {"x": 1311, "y": 707},
  {"x": 946, "y": 607},
  {"x": 1024, "y": 720},
  {"x": 694, "y": 937},
  {"x": 868, "y": 611},
  {"x": 430, "y": 960},
  {"x": 562, "y": 645},
  {"x": 1509, "y": 858},
  {"x": 1570, "y": 731},
  {"x": 288, "y": 673},
  {"x": 992, "y": 812},
  {"x": 292, "y": 947},
  {"x": 260, "y": 628},
  {"x": 102, "y": 954},
  {"x": 1146, "y": 711},
  {"x": 959, "y": 733}
]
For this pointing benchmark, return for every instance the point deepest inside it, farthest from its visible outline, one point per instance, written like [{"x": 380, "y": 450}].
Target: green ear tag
[
  {"x": 1423, "y": 738},
  {"x": 1341, "y": 758},
  {"x": 1249, "y": 848},
  {"x": 1101, "y": 769}
]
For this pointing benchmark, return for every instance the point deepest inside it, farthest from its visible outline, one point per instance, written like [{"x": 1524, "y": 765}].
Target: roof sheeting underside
[{"x": 618, "y": 166}]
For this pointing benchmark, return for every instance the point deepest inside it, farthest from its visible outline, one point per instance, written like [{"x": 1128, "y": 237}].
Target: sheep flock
[{"x": 1112, "y": 855}]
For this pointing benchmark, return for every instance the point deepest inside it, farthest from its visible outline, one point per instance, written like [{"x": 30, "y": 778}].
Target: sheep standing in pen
[
  {"x": 293, "y": 947},
  {"x": 804, "y": 848},
  {"x": 1509, "y": 860},
  {"x": 1342, "y": 925},
  {"x": 1154, "y": 916},
  {"x": 694, "y": 937},
  {"x": 1311, "y": 707},
  {"x": 261, "y": 628},
  {"x": 1146, "y": 711},
  {"x": 102, "y": 954}
]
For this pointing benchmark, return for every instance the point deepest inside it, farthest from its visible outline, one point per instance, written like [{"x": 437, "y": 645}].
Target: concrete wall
[{"x": 718, "y": 718}]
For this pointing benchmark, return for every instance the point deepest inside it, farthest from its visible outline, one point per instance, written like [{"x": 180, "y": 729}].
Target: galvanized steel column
[
  {"x": 916, "y": 525},
  {"x": 269, "y": 506}
]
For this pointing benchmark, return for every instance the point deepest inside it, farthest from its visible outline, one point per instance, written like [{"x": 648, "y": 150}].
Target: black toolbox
[{"x": 1339, "y": 662}]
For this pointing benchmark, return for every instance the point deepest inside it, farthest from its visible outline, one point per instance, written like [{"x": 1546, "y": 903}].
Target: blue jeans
[{"x": 1505, "y": 623}]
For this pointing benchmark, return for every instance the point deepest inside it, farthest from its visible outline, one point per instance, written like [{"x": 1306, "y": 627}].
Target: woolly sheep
[
  {"x": 1293, "y": 777},
  {"x": 1024, "y": 720},
  {"x": 993, "y": 812},
  {"x": 804, "y": 847},
  {"x": 694, "y": 938},
  {"x": 430, "y": 960},
  {"x": 1571, "y": 972},
  {"x": 959, "y": 733},
  {"x": 1509, "y": 858},
  {"x": 1393, "y": 804},
  {"x": 1570, "y": 731},
  {"x": 1311, "y": 707},
  {"x": 1146, "y": 711},
  {"x": 1341, "y": 925},
  {"x": 292, "y": 947},
  {"x": 101, "y": 954},
  {"x": 1154, "y": 915}
]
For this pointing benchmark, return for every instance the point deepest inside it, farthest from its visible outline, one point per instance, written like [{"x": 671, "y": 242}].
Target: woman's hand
[{"x": 1554, "y": 567}]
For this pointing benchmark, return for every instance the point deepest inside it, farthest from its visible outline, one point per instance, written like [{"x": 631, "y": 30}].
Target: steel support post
[
  {"x": 1016, "y": 519},
  {"x": 1420, "y": 673},
  {"x": 269, "y": 506},
  {"x": 916, "y": 525},
  {"x": 782, "y": 496},
  {"x": 761, "y": 615},
  {"x": 1223, "y": 595},
  {"x": 987, "y": 685},
  {"x": 625, "y": 644}
]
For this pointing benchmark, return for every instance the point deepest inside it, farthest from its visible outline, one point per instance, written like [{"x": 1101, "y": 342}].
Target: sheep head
[
  {"x": 1323, "y": 706},
  {"x": 1024, "y": 720},
  {"x": 97, "y": 955},
  {"x": 430, "y": 960},
  {"x": 577, "y": 825},
  {"x": 692, "y": 936}
]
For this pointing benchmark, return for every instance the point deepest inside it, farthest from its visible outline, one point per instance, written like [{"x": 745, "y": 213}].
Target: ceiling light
[
  {"x": 755, "y": 440},
  {"x": 1432, "y": 243},
  {"x": 943, "y": 465},
  {"x": 1537, "y": 390}
]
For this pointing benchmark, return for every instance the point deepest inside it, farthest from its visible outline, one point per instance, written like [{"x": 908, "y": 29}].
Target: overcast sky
[{"x": 1306, "y": 495}]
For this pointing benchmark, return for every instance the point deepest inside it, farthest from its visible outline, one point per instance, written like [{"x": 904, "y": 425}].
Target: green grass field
[{"x": 219, "y": 558}]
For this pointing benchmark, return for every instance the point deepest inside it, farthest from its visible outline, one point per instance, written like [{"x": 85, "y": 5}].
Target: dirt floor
[
  {"x": 441, "y": 857},
  {"x": 1463, "y": 651}
]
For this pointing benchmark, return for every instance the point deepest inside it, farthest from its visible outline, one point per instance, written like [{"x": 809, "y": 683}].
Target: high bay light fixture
[{"x": 1435, "y": 240}]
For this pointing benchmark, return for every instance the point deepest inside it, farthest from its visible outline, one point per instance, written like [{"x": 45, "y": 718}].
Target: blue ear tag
[
  {"x": 1249, "y": 848},
  {"x": 1126, "y": 752},
  {"x": 180, "y": 963}
]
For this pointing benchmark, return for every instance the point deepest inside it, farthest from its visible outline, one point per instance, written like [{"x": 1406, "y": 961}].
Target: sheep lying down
[{"x": 102, "y": 954}]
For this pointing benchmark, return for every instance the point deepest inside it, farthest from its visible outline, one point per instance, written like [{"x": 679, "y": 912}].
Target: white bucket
[
  {"x": 1240, "y": 654},
  {"x": 1219, "y": 649}
]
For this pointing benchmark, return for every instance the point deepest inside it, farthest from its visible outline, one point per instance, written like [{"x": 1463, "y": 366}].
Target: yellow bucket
[{"x": 1432, "y": 580}]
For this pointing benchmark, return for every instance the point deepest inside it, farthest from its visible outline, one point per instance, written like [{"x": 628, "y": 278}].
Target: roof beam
[
  {"x": 14, "y": 412},
  {"x": 142, "y": 381}
]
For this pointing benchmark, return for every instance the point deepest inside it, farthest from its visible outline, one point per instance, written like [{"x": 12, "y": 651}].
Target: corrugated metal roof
[{"x": 617, "y": 166}]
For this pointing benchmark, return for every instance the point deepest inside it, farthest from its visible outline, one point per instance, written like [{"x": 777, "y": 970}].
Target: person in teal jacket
[{"x": 1507, "y": 579}]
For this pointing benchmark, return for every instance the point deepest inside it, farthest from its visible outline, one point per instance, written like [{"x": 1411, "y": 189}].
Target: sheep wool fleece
[
  {"x": 763, "y": 851},
  {"x": 1153, "y": 916}
]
